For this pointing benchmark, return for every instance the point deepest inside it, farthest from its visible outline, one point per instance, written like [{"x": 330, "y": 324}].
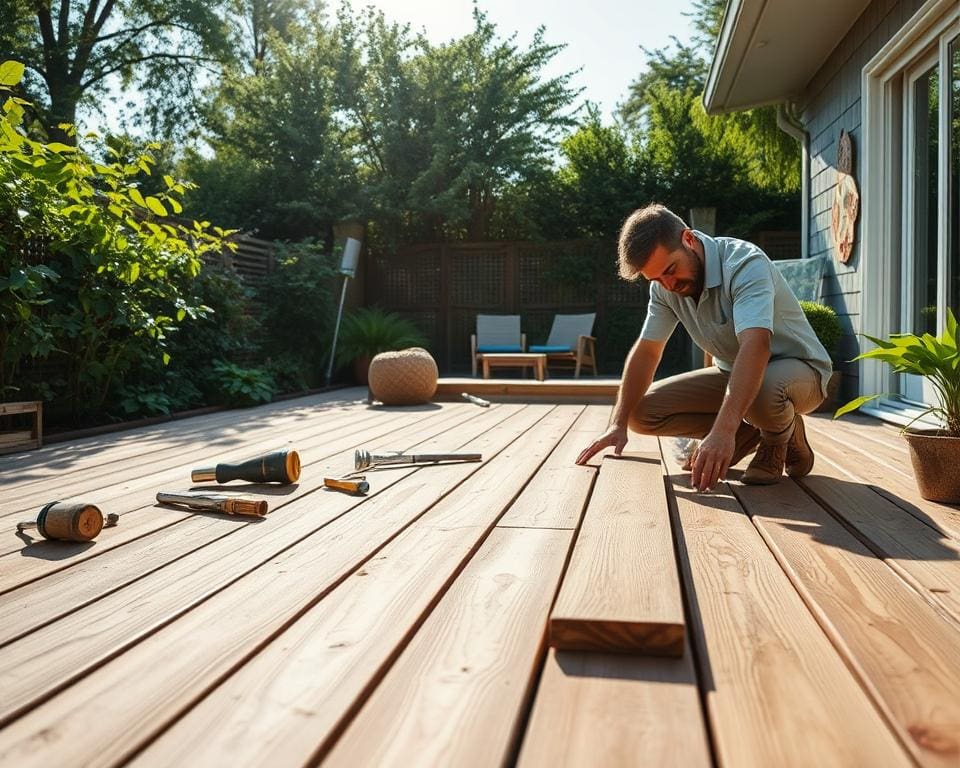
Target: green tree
[
  {"x": 283, "y": 151},
  {"x": 71, "y": 51},
  {"x": 255, "y": 22},
  {"x": 683, "y": 69},
  {"x": 598, "y": 182},
  {"x": 444, "y": 130}
]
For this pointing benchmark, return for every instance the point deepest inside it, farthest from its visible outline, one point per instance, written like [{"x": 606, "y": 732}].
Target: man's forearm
[
  {"x": 638, "y": 371},
  {"x": 746, "y": 378}
]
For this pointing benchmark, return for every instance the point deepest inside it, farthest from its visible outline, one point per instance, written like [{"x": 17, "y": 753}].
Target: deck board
[
  {"x": 854, "y": 594},
  {"x": 616, "y": 710},
  {"x": 622, "y": 590},
  {"x": 409, "y": 626},
  {"x": 889, "y": 477},
  {"x": 777, "y": 692}
]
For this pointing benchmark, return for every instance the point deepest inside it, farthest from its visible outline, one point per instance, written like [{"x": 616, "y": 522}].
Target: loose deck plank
[
  {"x": 35, "y": 666},
  {"x": 140, "y": 516},
  {"x": 292, "y": 700},
  {"x": 615, "y": 711},
  {"x": 777, "y": 692},
  {"x": 97, "y": 723},
  {"x": 622, "y": 591},
  {"x": 921, "y": 554},
  {"x": 905, "y": 653}
]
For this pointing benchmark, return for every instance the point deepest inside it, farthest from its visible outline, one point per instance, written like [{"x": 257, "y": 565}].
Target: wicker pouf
[{"x": 407, "y": 377}]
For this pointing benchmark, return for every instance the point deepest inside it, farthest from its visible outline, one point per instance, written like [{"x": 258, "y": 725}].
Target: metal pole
[{"x": 336, "y": 330}]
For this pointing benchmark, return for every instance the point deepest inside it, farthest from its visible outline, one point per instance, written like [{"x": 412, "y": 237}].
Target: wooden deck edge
[{"x": 602, "y": 391}]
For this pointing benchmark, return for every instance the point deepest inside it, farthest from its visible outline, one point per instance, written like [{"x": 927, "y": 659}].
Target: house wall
[{"x": 831, "y": 103}]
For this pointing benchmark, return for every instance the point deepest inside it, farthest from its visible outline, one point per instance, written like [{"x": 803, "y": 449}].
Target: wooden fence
[{"x": 442, "y": 287}]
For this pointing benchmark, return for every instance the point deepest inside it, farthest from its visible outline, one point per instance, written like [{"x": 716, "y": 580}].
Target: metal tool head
[{"x": 362, "y": 459}]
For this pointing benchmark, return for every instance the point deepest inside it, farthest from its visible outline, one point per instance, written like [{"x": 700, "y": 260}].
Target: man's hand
[
  {"x": 712, "y": 460},
  {"x": 615, "y": 436}
]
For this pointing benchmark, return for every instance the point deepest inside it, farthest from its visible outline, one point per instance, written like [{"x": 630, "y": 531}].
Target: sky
[{"x": 603, "y": 37}]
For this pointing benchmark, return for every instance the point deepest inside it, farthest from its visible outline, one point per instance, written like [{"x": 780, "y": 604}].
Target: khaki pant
[{"x": 686, "y": 405}]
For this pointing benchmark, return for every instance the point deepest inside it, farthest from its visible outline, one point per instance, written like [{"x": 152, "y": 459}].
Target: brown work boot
[
  {"x": 767, "y": 466},
  {"x": 799, "y": 453}
]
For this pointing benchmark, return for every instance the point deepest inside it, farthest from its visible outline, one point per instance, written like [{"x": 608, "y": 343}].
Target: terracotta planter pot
[{"x": 935, "y": 458}]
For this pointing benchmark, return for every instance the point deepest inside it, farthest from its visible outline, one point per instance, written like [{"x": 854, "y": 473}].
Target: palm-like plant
[
  {"x": 368, "y": 331},
  {"x": 937, "y": 360}
]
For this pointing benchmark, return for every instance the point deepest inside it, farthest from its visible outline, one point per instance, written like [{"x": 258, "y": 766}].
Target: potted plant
[
  {"x": 935, "y": 453},
  {"x": 368, "y": 331},
  {"x": 826, "y": 326}
]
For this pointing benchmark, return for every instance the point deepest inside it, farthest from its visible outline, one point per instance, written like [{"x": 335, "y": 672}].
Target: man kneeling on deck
[{"x": 769, "y": 365}]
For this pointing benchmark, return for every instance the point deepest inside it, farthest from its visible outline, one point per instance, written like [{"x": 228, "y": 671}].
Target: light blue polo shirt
[{"x": 742, "y": 289}]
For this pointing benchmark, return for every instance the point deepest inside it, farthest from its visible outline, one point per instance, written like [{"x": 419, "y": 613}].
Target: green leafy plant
[
  {"x": 243, "y": 386},
  {"x": 936, "y": 359},
  {"x": 136, "y": 401},
  {"x": 366, "y": 332},
  {"x": 92, "y": 268},
  {"x": 825, "y": 324}
]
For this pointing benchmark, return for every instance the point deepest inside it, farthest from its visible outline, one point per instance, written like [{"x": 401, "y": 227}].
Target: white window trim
[{"x": 880, "y": 195}]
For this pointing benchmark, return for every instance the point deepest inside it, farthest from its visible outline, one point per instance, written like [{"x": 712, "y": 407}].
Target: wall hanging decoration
[{"x": 846, "y": 200}]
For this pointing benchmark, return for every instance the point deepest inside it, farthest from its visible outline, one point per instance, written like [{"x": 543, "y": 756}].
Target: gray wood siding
[{"x": 832, "y": 104}]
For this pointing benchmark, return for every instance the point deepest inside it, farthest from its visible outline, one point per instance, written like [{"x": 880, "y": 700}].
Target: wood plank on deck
[
  {"x": 615, "y": 711},
  {"x": 924, "y": 556},
  {"x": 907, "y": 656},
  {"x": 776, "y": 690},
  {"x": 622, "y": 591}
]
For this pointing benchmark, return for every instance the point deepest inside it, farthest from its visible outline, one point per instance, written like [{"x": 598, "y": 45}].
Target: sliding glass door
[{"x": 931, "y": 197}]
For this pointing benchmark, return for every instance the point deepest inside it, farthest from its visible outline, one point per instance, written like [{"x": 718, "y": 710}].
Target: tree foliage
[
  {"x": 72, "y": 50},
  {"x": 282, "y": 162}
]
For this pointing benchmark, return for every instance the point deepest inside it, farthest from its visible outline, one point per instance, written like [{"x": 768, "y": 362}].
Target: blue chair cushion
[
  {"x": 543, "y": 348},
  {"x": 499, "y": 348}
]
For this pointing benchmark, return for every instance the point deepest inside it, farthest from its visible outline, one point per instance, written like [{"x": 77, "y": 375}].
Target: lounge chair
[
  {"x": 496, "y": 333},
  {"x": 570, "y": 339}
]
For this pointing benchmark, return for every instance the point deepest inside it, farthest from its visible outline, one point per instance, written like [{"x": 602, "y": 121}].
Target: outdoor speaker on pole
[
  {"x": 351, "y": 257},
  {"x": 348, "y": 268}
]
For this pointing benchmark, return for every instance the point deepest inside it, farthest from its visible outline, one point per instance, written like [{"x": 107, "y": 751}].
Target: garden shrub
[{"x": 92, "y": 271}]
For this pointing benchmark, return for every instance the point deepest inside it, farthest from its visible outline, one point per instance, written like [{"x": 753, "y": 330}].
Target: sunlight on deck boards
[{"x": 409, "y": 627}]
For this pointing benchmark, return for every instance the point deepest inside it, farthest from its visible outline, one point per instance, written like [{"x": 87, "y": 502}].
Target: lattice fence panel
[
  {"x": 411, "y": 280},
  {"x": 478, "y": 279}
]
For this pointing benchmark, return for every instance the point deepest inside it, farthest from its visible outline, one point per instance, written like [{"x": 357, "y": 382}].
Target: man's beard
[{"x": 694, "y": 287}]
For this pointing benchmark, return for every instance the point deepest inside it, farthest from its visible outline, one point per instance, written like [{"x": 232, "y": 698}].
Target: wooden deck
[{"x": 409, "y": 628}]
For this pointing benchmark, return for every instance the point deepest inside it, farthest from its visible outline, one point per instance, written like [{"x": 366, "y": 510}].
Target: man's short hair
[{"x": 644, "y": 230}]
